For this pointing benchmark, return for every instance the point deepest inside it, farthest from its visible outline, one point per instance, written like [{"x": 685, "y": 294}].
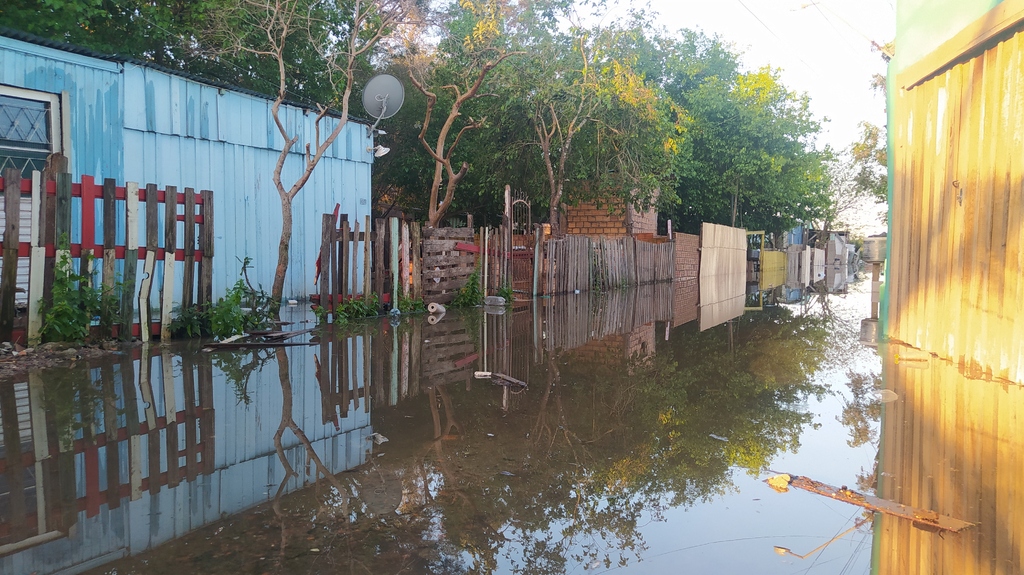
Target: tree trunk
[{"x": 277, "y": 291}]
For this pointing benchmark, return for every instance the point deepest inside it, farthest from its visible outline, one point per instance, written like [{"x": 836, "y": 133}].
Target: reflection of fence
[
  {"x": 137, "y": 452},
  {"x": 133, "y": 226},
  {"x": 574, "y": 321},
  {"x": 951, "y": 443},
  {"x": 134, "y": 424}
]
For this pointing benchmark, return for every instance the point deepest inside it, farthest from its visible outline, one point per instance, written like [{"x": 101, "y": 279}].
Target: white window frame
[{"x": 60, "y": 122}]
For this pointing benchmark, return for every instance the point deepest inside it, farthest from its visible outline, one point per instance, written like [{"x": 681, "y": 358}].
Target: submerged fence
[{"x": 45, "y": 220}]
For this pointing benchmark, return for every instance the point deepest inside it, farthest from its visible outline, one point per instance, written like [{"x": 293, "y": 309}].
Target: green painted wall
[{"x": 923, "y": 25}]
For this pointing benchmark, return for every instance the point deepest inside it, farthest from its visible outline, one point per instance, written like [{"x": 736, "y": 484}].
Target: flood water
[{"x": 639, "y": 445}]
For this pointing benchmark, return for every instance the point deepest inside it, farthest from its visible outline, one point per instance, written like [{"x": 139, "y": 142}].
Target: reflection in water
[
  {"x": 632, "y": 411},
  {"x": 119, "y": 457},
  {"x": 951, "y": 444}
]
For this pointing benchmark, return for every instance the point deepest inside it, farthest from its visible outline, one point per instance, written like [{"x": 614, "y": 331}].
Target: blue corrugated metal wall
[
  {"x": 133, "y": 123},
  {"x": 94, "y": 90}
]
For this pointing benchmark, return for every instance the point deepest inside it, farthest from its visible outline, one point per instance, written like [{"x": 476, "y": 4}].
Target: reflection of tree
[
  {"x": 73, "y": 399},
  {"x": 288, "y": 423},
  {"x": 862, "y": 414},
  {"x": 594, "y": 451},
  {"x": 239, "y": 366}
]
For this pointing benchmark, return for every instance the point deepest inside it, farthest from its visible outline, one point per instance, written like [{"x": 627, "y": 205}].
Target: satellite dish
[{"x": 383, "y": 96}]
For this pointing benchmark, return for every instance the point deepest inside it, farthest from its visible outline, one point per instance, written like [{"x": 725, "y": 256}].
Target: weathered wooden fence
[
  {"x": 448, "y": 261},
  {"x": 580, "y": 263},
  {"x": 132, "y": 227},
  {"x": 346, "y": 266},
  {"x": 395, "y": 260}
]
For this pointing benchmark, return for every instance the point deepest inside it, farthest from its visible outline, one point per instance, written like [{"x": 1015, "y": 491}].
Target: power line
[{"x": 772, "y": 32}]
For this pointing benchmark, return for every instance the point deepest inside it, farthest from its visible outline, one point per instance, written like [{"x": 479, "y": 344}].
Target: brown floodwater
[{"x": 622, "y": 432}]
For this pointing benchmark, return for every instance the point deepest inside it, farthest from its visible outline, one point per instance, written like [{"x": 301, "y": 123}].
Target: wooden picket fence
[{"x": 130, "y": 218}]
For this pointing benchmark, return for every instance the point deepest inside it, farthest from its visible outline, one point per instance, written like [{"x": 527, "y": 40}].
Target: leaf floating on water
[
  {"x": 508, "y": 474},
  {"x": 718, "y": 437}
]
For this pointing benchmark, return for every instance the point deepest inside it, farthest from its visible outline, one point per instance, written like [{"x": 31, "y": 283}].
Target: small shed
[{"x": 130, "y": 120}]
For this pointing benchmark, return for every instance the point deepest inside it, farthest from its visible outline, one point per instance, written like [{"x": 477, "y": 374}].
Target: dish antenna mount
[{"x": 383, "y": 96}]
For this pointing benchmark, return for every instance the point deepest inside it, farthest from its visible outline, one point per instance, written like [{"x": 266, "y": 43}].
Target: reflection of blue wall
[
  {"x": 130, "y": 122},
  {"x": 247, "y": 470}
]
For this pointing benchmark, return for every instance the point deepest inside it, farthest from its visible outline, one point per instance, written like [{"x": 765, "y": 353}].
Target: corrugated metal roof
[{"x": 88, "y": 52}]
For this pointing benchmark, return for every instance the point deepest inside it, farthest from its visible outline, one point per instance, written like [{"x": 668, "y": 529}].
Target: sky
[{"x": 823, "y": 48}]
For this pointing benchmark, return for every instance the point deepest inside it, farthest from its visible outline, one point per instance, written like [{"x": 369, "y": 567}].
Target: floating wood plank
[{"x": 872, "y": 503}]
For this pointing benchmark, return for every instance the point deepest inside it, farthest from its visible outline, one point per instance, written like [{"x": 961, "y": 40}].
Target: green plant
[
  {"x": 320, "y": 313},
  {"x": 409, "y": 305},
  {"x": 354, "y": 308},
  {"x": 506, "y": 292},
  {"x": 75, "y": 301},
  {"x": 470, "y": 295},
  {"x": 243, "y": 308}
]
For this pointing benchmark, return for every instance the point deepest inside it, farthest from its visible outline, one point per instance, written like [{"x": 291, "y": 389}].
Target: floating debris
[
  {"x": 779, "y": 482},
  {"x": 718, "y": 437},
  {"x": 922, "y": 517},
  {"x": 886, "y": 395},
  {"x": 500, "y": 379},
  {"x": 377, "y": 438}
]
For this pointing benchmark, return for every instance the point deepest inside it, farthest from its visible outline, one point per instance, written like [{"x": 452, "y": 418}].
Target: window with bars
[{"x": 27, "y": 129}]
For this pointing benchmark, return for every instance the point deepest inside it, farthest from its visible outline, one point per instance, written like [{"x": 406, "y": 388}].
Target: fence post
[
  {"x": 395, "y": 275},
  {"x": 378, "y": 259},
  {"x": 536, "y": 257},
  {"x": 417, "y": 263},
  {"x": 326, "y": 226},
  {"x": 188, "y": 279},
  {"x": 353, "y": 270},
  {"x": 131, "y": 257},
  {"x": 406, "y": 254},
  {"x": 206, "y": 244},
  {"x": 367, "y": 259},
  {"x": 109, "y": 252},
  {"x": 343, "y": 257},
  {"x": 37, "y": 264},
  {"x": 170, "y": 240},
  {"x": 9, "y": 278}
]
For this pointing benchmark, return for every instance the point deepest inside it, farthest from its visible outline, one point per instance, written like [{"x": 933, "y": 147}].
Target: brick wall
[
  {"x": 591, "y": 220},
  {"x": 644, "y": 222},
  {"x": 609, "y": 220},
  {"x": 685, "y": 297},
  {"x": 687, "y": 256}
]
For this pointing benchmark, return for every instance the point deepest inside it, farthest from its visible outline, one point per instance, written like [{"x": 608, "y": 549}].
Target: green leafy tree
[{"x": 343, "y": 34}]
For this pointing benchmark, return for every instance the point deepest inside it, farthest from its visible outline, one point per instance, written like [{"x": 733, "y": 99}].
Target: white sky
[{"x": 823, "y": 50}]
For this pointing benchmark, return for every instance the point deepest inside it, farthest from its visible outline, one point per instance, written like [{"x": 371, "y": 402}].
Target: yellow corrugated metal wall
[{"x": 956, "y": 253}]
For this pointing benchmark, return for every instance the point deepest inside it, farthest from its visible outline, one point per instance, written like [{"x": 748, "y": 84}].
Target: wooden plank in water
[{"x": 872, "y": 503}]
